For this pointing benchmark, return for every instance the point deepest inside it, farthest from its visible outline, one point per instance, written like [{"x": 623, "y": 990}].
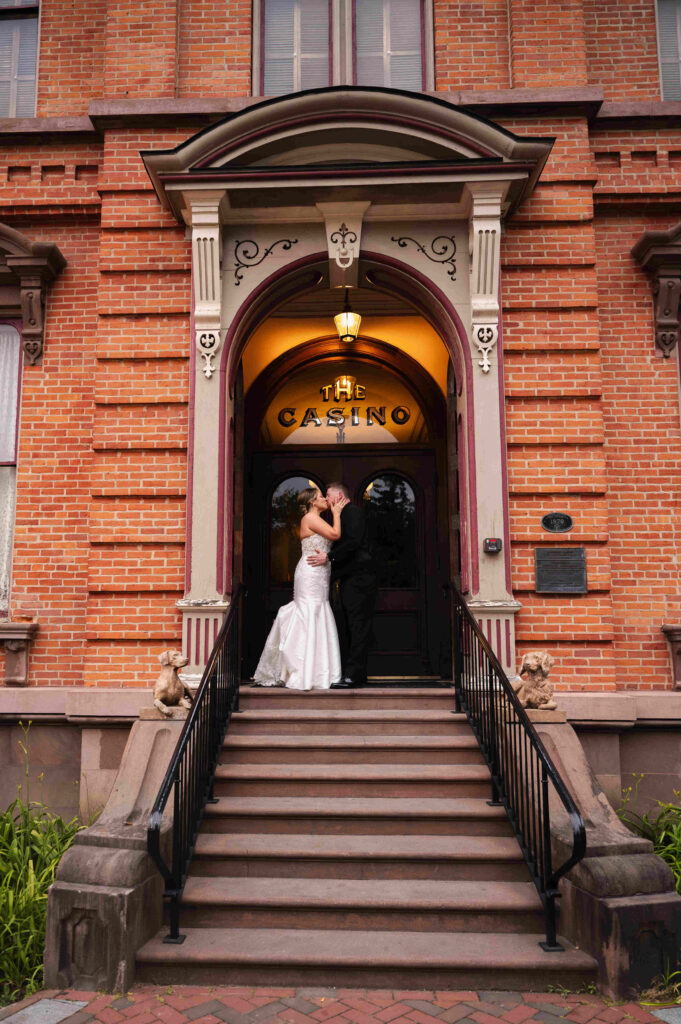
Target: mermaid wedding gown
[{"x": 302, "y": 651}]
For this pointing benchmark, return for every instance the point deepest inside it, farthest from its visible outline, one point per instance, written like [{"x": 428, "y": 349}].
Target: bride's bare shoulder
[{"x": 306, "y": 529}]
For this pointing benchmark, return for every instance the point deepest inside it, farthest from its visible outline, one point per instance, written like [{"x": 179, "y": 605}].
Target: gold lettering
[
  {"x": 287, "y": 417},
  {"x": 360, "y": 391},
  {"x": 335, "y": 418},
  {"x": 343, "y": 389},
  {"x": 355, "y": 415},
  {"x": 311, "y": 417},
  {"x": 377, "y": 414},
  {"x": 325, "y": 391}
]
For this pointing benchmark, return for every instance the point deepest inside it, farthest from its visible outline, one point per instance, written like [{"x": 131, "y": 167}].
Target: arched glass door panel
[
  {"x": 390, "y": 506},
  {"x": 285, "y": 527}
]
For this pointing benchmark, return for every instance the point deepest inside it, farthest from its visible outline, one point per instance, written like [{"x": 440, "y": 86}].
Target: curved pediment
[{"x": 345, "y": 131}]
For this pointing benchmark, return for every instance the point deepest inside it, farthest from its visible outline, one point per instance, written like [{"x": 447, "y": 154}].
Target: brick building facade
[{"x": 109, "y": 444}]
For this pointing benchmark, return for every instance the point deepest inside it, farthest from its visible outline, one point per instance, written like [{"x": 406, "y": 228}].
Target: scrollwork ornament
[
  {"x": 485, "y": 337},
  {"x": 207, "y": 343},
  {"x": 247, "y": 254},
  {"x": 442, "y": 250},
  {"x": 344, "y": 239}
]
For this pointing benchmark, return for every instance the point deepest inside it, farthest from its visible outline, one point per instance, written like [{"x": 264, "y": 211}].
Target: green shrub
[
  {"x": 32, "y": 842},
  {"x": 661, "y": 826}
]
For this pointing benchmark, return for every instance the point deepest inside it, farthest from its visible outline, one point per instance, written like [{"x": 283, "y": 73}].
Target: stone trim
[
  {"x": 16, "y": 638},
  {"x": 48, "y": 128},
  {"x": 658, "y": 253},
  {"x": 30, "y": 267}
]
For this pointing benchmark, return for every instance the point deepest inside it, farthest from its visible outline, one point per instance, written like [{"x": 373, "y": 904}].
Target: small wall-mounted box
[{"x": 491, "y": 545}]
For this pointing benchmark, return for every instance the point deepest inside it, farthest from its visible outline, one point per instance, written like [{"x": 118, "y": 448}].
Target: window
[
  {"x": 388, "y": 45},
  {"x": 669, "y": 36},
  {"x": 309, "y": 44},
  {"x": 18, "y": 57},
  {"x": 285, "y": 527},
  {"x": 10, "y": 365},
  {"x": 296, "y": 46}
]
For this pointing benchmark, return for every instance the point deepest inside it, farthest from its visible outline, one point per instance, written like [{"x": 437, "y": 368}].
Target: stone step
[
  {"x": 298, "y": 855},
  {"x": 350, "y": 749},
  {"x": 364, "y": 698},
  {"x": 365, "y": 959},
  {"x": 417, "y": 905},
  {"x": 368, "y": 780},
  {"x": 356, "y": 816},
  {"x": 370, "y": 722}
]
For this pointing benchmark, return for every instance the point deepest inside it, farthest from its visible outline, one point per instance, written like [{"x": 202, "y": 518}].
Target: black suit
[{"x": 353, "y": 577}]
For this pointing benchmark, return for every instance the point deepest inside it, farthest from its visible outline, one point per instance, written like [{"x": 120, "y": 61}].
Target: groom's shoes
[{"x": 346, "y": 683}]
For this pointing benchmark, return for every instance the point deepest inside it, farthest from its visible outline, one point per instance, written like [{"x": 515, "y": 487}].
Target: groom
[{"x": 353, "y": 568}]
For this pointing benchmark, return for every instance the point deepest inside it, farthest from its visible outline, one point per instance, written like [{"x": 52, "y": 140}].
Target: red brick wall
[
  {"x": 471, "y": 44},
  {"x": 547, "y": 43},
  {"x": 71, "y": 65},
  {"x": 621, "y": 48},
  {"x": 643, "y": 455},
  {"x": 52, "y": 543},
  {"x": 215, "y": 49}
]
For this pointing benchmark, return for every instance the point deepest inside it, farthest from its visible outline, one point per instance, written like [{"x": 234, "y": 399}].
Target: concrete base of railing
[
  {"x": 619, "y": 903},
  {"x": 107, "y": 897}
]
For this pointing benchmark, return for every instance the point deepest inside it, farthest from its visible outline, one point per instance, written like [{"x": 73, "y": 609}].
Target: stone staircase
[{"x": 352, "y": 844}]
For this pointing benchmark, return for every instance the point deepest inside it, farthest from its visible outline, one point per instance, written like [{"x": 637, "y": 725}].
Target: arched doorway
[{"x": 374, "y": 419}]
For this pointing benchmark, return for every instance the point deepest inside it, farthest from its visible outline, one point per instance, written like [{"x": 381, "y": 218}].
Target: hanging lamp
[{"x": 347, "y": 323}]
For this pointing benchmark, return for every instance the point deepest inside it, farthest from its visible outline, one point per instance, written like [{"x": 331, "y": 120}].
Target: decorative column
[
  {"x": 204, "y": 603},
  {"x": 492, "y": 604}
]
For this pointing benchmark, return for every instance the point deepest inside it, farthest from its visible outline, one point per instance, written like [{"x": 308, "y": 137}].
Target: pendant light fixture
[{"x": 347, "y": 323}]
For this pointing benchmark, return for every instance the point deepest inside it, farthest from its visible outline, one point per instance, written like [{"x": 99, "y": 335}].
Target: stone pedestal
[
  {"x": 619, "y": 903},
  {"x": 16, "y": 638},
  {"x": 107, "y": 897}
]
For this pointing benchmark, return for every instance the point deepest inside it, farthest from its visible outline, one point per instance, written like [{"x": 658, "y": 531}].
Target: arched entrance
[
  {"x": 407, "y": 185},
  {"x": 375, "y": 419}
]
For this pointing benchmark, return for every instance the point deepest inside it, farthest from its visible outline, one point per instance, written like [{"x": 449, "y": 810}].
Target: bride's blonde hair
[{"x": 305, "y": 499}]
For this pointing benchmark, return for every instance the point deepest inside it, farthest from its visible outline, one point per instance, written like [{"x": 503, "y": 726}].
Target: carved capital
[
  {"x": 16, "y": 638},
  {"x": 485, "y": 245},
  {"x": 658, "y": 253},
  {"x": 343, "y": 227}
]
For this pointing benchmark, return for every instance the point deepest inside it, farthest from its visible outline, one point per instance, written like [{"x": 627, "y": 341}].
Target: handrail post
[
  {"x": 551, "y": 945},
  {"x": 457, "y": 654},
  {"x": 174, "y": 936},
  {"x": 493, "y": 739}
]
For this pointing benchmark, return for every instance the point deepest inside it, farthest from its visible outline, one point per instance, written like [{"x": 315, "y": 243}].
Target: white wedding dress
[{"x": 302, "y": 651}]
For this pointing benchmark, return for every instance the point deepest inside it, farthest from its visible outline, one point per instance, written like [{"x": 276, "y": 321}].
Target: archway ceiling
[{"x": 349, "y": 144}]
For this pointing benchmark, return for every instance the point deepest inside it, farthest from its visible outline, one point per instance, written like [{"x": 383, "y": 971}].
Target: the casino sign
[{"x": 368, "y": 406}]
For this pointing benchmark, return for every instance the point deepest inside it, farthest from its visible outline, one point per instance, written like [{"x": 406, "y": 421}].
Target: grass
[
  {"x": 665, "y": 989},
  {"x": 32, "y": 842}
]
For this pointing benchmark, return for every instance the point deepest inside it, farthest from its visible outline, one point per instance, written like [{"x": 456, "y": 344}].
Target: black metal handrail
[
  {"x": 522, "y": 771},
  {"x": 191, "y": 771}
]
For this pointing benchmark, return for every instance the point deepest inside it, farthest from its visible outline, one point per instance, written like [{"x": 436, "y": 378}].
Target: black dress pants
[{"x": 353, "y": 610}]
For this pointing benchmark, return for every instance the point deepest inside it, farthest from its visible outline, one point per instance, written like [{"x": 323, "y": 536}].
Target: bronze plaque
[{"x": 560, "y": 570}]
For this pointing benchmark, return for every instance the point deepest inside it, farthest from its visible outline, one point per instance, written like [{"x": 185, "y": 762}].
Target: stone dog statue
[
  {"x": 169, "y": 690},
  {"x": 535, "y": 690}
]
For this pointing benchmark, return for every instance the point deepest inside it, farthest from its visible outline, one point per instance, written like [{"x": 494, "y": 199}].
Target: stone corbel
[
  {"x": 32, "y": 266},
  {"x": 485, "y": 244},
  {"x": 673, "y": 635},
  {"x": 343, "y": 226},
  {"x": 658, "y": 253},
  {"x": 16, "y": 638},
  {"x": 203, "y": 215}
]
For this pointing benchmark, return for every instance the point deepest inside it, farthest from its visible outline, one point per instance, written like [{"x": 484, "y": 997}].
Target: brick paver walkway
[{"x": 151, "y": 1004}]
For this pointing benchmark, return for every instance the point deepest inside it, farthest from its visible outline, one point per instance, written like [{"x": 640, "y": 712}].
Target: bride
[{"x": 302, "y": 651}]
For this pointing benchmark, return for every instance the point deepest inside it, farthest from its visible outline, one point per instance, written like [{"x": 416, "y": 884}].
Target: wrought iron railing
[
  {"x": 189, "y": 778},
  {"x": 523, "y": 774}
]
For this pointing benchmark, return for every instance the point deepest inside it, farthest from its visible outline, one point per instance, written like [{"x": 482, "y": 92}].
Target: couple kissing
[{"x": 312, "y": 646}]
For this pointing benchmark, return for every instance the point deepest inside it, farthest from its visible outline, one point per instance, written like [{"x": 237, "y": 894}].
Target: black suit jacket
[{"x": 351, "y": 554}]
